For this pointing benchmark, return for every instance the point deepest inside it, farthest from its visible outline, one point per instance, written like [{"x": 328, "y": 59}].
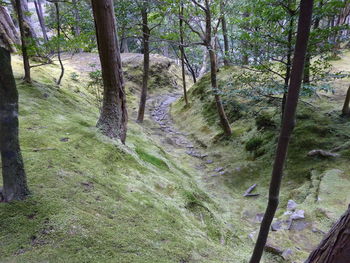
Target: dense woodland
[{"x": 175, "y": 131}]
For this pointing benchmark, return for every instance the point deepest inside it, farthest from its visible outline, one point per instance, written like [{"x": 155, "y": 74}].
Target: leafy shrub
[
  {"x": 264, "y": 121},
  {"x": 253, "y": 144}
]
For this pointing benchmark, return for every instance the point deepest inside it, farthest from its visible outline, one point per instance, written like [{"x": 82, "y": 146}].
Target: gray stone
[
  {"x": 210, "y": 161},
  {"x": 276, "y": 226},
  {"x": 292, "y": 205},
  {"x": 299, "y": 214},
  {"x": 219, "y": 169},
  {"x": 287, "y": 254}
]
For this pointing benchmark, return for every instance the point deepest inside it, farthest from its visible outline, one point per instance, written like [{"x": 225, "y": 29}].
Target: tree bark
[
  {"x": 182, "y": 51},
  {"x": 77, "y": 29},
  {"x": 25, "y": 56},
  {"x": 335, "y": 247},
  {"x": 146, "y": 62},
  {"x": 213, "y": 71},
  {"x": 13, "y": 173},
  {"x": 8, "y": 32},
  {"x": 304, "y": 25},
  {"x": 225, "y": 35},
  {"x": 346, "y": 107},
  {"x": 58, "y": 42},
  {"x": 113, "y": 118},
  {"x": 40, "y": 15}
]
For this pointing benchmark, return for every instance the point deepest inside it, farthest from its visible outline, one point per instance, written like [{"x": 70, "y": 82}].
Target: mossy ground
[
  {"x": 95, "y": 200},
  {"x": 317, "y": 184}
]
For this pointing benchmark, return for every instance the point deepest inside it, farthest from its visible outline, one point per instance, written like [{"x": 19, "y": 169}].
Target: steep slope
[
  {"x": 95, "y": 200},
  {"x": 318, "y": 185}
]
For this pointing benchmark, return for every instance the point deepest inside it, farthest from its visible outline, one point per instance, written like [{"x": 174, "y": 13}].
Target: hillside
[{"x": 174, "y": 192}]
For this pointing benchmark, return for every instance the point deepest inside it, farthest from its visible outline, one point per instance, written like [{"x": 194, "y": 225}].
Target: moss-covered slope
[
  {"x": 95, "y": 200},
  {"x": 316, "y": 184}
]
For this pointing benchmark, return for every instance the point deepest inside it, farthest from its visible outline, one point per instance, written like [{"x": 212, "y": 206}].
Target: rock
[
  {"x": 292, "y": 205},
  {"x": 299, "y": 225},
  {"x": 276, "y": 226},
  {"x": 259, "y": 217},
  {"x": 209, "y": 161},
  {"x": 252, "y": 236},
  {"x": 222, "y": 172},
  {"x": 273, "y": 249},
  {"x": 322, "y": 153},
  {"x": 64, "y": 139},
  {"x": 219, "y": 169},
  {"x": 299, "y": 214},
  {"x": 287, "y": 254}
]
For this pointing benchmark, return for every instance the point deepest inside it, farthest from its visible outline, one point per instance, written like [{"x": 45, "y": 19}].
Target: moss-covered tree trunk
[
  {"x": 14, "y": 177},
  {"x": 146, "y": 62},
  {"x": 306, "y": 7},
  {"x": 335, "y": 247},
  {"x": 113, "y": 118}
]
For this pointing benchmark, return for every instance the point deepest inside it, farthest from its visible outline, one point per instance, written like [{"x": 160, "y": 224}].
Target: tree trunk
[
  {"x": 190, "y": 68},
  {"x": 58, "y": 42},
  {"x": 14, "y": 177},
  {"x": 146, "y": 62},
  {"x": 213, "y": 71},
  {"x": 288, "y": 65},
  {"x": 304, "y": 25},
  {"x": 40, "y": 15},
  {"x": 346, "y": 107},
  {"x": 335, "y": 247},
  {"x": 182, "y": 51},
  {"x": 224, "y": 32},
  {"x": 316, "y": 25},
  {"x": 26, "y": 65},
  {"x": 113, "y": 118},
  {"x": 77, "y": 30},
  {"x": 8, "y": 31},
  {"x": 204, "y": 67}
]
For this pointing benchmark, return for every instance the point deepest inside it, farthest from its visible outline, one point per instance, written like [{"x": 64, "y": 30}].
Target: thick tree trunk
[
  {"x": 124, "y": 48},
  {"x": 346, "y": 107},
  {"x": 335, "y": 247},
  {"x": 225, "y": 35},
  {"x": 26, "y": 64},
  {"x": 41, "y": 19},
  {"x": 304, "y": 24},
  {"x": 182, "y": 56},
  {"x": 113, "y": 118},
  {"x": 146, "y": 62},
  {"x": 14, "y": 177},
  {"x": 58, "y": 42}
]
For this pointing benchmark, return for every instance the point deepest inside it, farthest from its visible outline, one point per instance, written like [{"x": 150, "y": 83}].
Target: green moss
[{"x": 152, "y": 159}]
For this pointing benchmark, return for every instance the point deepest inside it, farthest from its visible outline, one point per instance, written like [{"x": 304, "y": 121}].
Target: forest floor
[{"x": 174, "y": 192}]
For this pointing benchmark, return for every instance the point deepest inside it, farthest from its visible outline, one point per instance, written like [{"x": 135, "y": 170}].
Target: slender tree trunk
[
  {"x": 40, "y": 15},
  {"x": 245, "y": 56},
  {"x": 304, "y": 24},
  {"x": 146, "y": 62},
  {"x": 346, "y": 107},
  {"x": 288, "y": 65},
  {"x": 124, "y": 48},
  {"x": 316, "y": 25},
  {"x": 59, "y": 42},
  {"x": 204, "y": 67},
  {"x": 13, "y": 173},
  {"x": 8, "y": 31},
  {"x": 182, "y": 51},
  {"x": 335, "y": 247},
  {"x": 190, "y": 68},
  {"x": 24, "y": 42},
  {"x": 113, "y": 118},
  {"x": 225, "y": 35},
  {"x": 213, "y": 72},
  {"x": 77, "y": 29}
]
